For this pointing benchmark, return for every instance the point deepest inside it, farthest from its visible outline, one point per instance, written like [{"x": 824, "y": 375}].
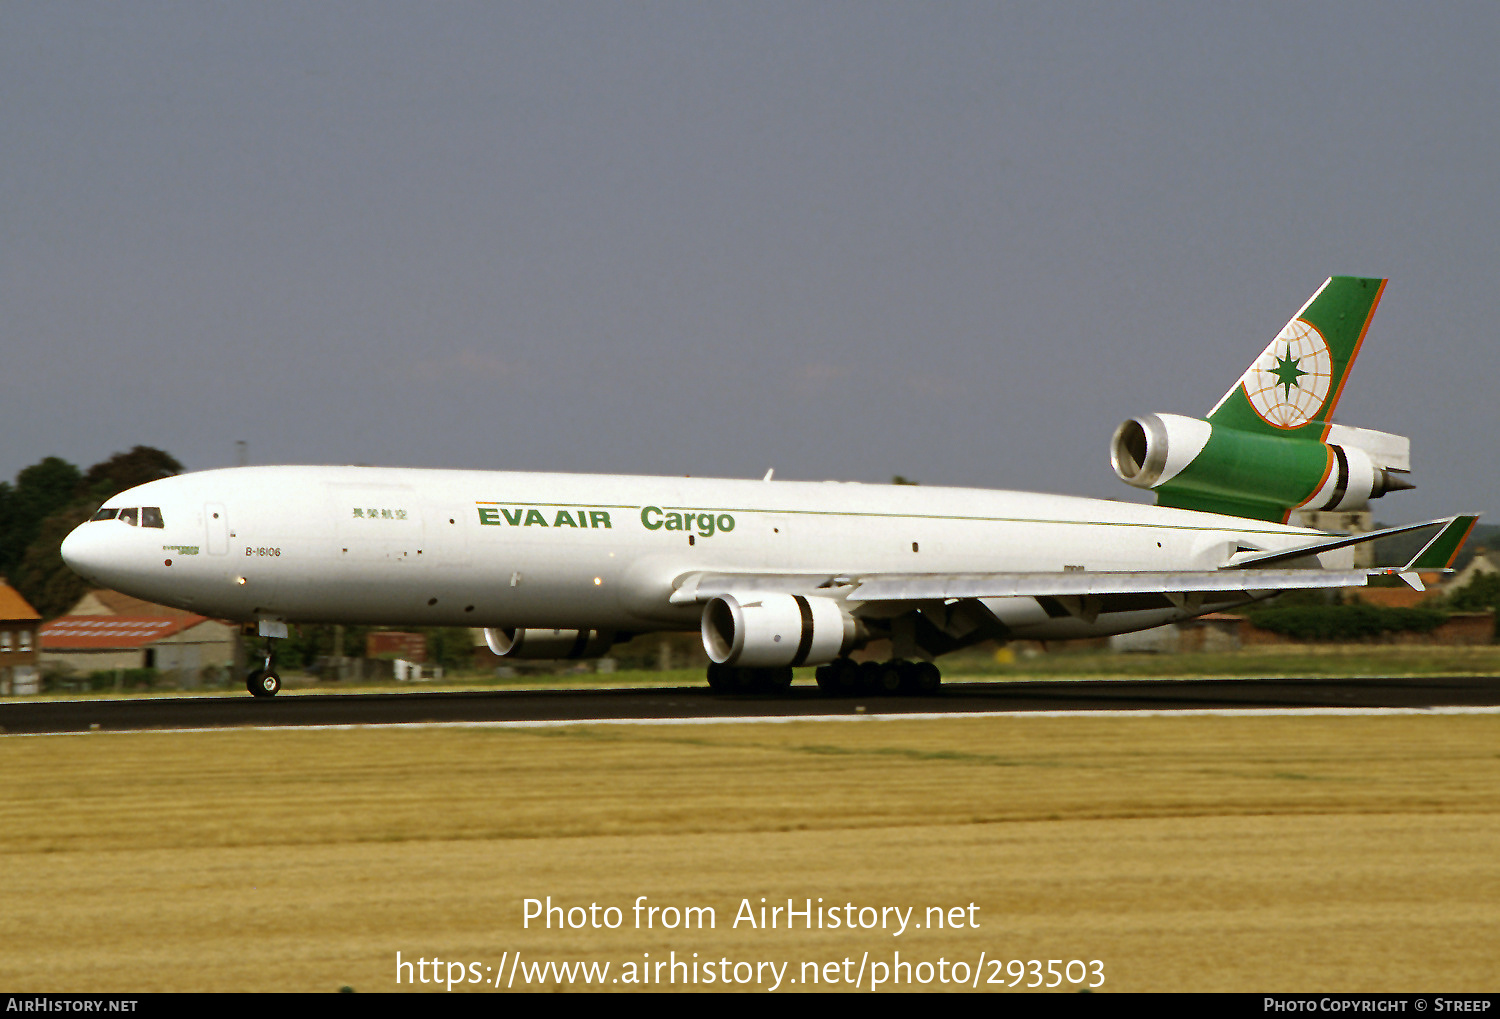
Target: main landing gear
[
  {"x": 732, "y": 679},
  {"x": 844, "y": 677}
]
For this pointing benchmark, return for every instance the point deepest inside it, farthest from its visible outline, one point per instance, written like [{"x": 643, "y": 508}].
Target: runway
[{"x": 682, "y": 703}]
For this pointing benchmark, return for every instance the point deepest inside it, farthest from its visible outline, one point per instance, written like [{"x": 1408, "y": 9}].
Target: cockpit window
[{"x": 135, "y": 516}]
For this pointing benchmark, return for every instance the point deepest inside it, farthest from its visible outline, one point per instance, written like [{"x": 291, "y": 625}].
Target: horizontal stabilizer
[
  {"x": 1439, "y": 553},
  {"x": 1331, "y": 544},
  {"x": 1391, "y": 452}
]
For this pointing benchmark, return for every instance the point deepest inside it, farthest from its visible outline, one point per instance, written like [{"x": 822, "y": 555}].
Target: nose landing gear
[{"x": 264, "y": 681}]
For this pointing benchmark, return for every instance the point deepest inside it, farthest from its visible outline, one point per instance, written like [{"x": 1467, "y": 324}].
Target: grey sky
[{"x": 959, "y": 242}]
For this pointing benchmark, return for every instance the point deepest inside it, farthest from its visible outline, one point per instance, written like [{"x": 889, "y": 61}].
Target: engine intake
[{"x": 775, "y": 630}]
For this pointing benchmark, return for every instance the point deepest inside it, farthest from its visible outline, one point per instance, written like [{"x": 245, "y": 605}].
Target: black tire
[
  {"x": 926, "y": 678},
  {"x": 889, "y": 679},
  {"x": 719, "y": 680},
  {"x": 775, "y": 680},
  {"x": 909, "y": 672},
  {"x": 845, "y": 677},
  {"x": 826, "y": 678},
  {"x": 264, "y": 684},
  {"x": 839, "y": 678}
]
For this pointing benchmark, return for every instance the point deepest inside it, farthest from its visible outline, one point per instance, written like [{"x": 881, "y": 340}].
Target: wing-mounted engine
[
  {"x": 1194, "y": 464},
  {"x": 770, "y": 630},
  {"x": 533, "y": 643}
]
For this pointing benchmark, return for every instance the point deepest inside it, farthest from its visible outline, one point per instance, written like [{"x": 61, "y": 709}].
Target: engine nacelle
[
  {"x": 519, "y": 643},
  {"x": 1197, "y": 465},
  {"x": 773, "y": 630}
]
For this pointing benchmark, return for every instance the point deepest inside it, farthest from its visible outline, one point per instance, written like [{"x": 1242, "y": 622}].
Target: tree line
[{"x": 45, "y": 502}]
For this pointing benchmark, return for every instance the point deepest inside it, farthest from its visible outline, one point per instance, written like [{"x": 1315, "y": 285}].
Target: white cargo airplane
[{"x": 778, "y": 574}]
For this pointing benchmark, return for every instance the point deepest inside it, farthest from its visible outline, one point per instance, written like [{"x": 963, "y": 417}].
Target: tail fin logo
[{"x": 1290, "y": 381}]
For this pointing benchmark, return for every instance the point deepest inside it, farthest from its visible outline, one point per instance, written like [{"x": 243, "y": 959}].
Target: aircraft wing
[
  {"x": 920, "y": 587},
  {"x": 930, "y": 587},
  {"x": 1241, "y": 575}
]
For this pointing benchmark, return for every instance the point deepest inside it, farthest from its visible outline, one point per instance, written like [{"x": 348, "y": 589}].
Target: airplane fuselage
[{"x": 418, "y": 547}]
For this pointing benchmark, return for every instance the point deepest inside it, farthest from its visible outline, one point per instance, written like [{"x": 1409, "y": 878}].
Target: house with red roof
[
  {"x": 108, "y": 631},
  {"x": 18, "y": 640}
]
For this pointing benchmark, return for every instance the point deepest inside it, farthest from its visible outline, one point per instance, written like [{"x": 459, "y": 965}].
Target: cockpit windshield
[{"x": 135, "y": 516}]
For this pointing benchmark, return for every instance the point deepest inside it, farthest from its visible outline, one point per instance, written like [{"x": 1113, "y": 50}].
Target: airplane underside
[{"x": 916, "y": 637}]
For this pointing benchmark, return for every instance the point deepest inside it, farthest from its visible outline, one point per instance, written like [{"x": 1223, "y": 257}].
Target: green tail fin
[{"x": 1293, "y": 387}]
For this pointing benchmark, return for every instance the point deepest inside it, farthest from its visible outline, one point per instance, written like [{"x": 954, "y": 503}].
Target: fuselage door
[{"x": 218, "y": 528}]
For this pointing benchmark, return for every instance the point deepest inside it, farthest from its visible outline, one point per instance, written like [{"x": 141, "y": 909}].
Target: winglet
[{"x": 1439, "y": 553}]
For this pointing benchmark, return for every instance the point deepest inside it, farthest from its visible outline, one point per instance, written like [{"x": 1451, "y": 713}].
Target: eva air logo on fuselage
[
  {"x": 1290, "y": 381},
  {"x": 704, "y": 523},
  {"x": 498, "y": 515}
]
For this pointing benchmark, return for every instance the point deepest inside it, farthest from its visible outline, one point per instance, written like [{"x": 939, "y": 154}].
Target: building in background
[
  {"x": 1484, "y": 561},
  {"x": 405, "y": 654},
  {"x": 1357, "y": 522},
  {"x": 109, "y": 631},
  {"x": 19, "y": 623}
]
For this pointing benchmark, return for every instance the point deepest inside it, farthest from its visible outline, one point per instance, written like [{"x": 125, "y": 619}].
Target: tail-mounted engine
[
  {"x": 1270, "y": 446},
  {"x": 1195, "y": 464}
]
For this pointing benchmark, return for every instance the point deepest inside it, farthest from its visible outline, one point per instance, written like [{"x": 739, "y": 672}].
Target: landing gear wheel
[
  {"x": 719, "y": 679},
  {"x": 733, "y": 679},
  {"x": 774, "y": 680},
  {"x": 839, "y": 677},
  {"x": 890, "y": 678},
  {"x": 925, "y": 678},
  {"x": 263, "y": 683}
]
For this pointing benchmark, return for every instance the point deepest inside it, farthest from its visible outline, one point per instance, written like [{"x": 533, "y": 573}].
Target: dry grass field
[{"x": 1309, "y": 853}]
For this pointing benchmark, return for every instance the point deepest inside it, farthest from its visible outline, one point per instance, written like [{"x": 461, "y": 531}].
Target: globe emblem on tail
[{"x": 1289, "y": 383}]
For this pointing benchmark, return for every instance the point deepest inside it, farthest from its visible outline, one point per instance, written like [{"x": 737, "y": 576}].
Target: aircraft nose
[{"x": 84, "y": 552}]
